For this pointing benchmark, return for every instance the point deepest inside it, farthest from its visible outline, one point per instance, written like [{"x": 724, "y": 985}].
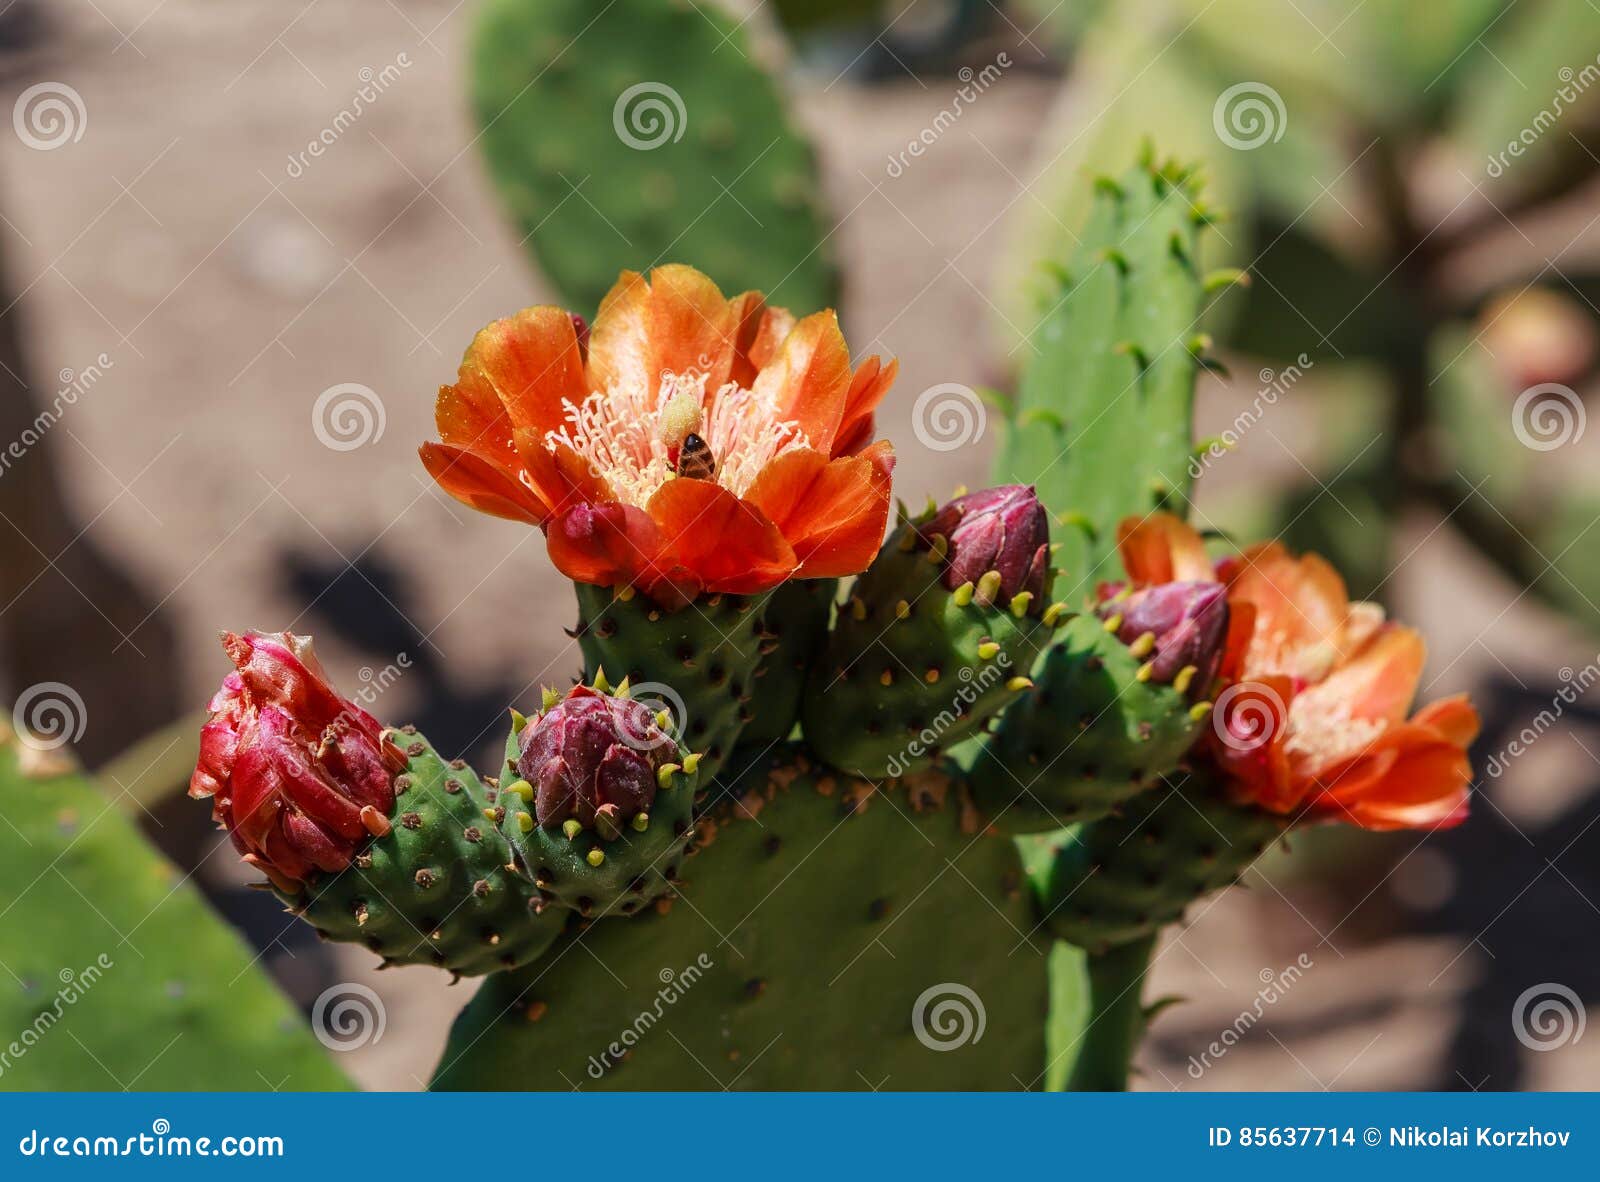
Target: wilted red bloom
[
  {"x": 1317, "y": 722},
  {"x": 694, "y": 443},
  {"x": 592, "y": 753},
  {"x": 1003, "y": 529},
  {"x": 299, "y": 777}
]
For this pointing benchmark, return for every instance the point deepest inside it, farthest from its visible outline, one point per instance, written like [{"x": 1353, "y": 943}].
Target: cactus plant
[
  {"x": 703, "y": 470},
  {"x": 644, "y": 129}
]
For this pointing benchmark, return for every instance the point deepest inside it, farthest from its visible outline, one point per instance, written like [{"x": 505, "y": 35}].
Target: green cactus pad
[
  {"x": 912, "y": 668},
  {"x": 1087, "y": 737},
  {"x": 819, "y": 925},
  {"x": 1121, "y": 878},
  {"x": 441, "y": 887},
  {"x": 704, "y": 656},
  {"x": 636, "y": 131},
  {"x": 104, "y": 938},
  {"x": 795, "y": 623},
  {"x": 1104, "y": 408},
  {"x": 632, "y": 869}
]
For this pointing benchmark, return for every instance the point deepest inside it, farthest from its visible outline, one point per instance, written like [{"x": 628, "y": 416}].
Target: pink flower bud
[{"x": 590, "y": 751}]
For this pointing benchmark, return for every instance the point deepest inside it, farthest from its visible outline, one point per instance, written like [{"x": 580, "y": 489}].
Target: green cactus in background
[
  {"x": 643, "y": 129},
  {"x": 106, "y": 939}
]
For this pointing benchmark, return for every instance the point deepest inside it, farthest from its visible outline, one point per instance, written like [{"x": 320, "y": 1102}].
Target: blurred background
[{"x": 243, "y": 245}]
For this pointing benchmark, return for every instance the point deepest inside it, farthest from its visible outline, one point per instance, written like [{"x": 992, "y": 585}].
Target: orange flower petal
[
  {"x": 1425, "y": 786},
  {"x": 1454, "y": 719},
  {"x": 1161, "y": 548},
  {"x": 1377, "y": 684},
  {"x": 480, "y": 484},
  {"x": 691, "y": 326},
  {"x": 749, "y": 310},
  {"x": 832, "y": 512},
  {"x": 1302, "y": 611},
  {"x": 532, "y": 361},
  {"x": 607, "y": 545},
  {"x": 470, "y": 415},
  {"x": 867, "y": 388},
  {"x": 809, "y": 378},
  {"x": 562, "y": 476},
  {"x": 619, "y": 337},
  {"x": 729, "y": 543}
]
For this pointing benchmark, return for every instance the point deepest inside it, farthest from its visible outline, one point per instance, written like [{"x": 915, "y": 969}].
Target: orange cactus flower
[
  {"x": 690, "y": 443},
  {"x": 1316, "y": 720}
]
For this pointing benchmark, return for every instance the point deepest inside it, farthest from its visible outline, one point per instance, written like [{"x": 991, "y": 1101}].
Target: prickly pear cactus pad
[
  {"x": 1122, "y": 878},
  {"x": 829, "y": 936},
  {"x": 120, "y": 976},
  {"x": 1092, "y": 731},
  {"x": 637, "y": 129},
  {"x": 936, "y": 637},
  {"x": 699, "y": 662},
  {"x": 441, "y": 887},
  {"x": 795, "y": 624}
]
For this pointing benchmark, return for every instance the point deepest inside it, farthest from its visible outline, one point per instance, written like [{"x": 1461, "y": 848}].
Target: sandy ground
[{"x": 227, "y": 295}]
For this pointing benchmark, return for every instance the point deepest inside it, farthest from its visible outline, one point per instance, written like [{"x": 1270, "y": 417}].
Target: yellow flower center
[{"x": 627, "y": 434}]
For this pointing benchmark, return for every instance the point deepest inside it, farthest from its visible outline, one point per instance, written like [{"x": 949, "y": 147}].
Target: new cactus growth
[
  {"x": 601, "y": 813},
  {"x": 936, "y": 637}
]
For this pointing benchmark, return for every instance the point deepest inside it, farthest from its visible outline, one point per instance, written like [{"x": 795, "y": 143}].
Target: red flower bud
[
  {"x": 1002, "y": 529},
  {"x": 300, "y": 777},
  {"x": 592, "y": 753},
  {"x": 1187, "y": 626}
]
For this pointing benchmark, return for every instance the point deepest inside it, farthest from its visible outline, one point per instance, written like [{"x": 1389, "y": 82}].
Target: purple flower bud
[
  {"x": 1174, "y": 626},
  {"x": 1002, "y": 529},
  {"x": 592, "y": 753}
]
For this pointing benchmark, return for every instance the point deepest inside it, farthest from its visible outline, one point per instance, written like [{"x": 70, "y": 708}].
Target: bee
[{"x": 695, "y": 460}]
